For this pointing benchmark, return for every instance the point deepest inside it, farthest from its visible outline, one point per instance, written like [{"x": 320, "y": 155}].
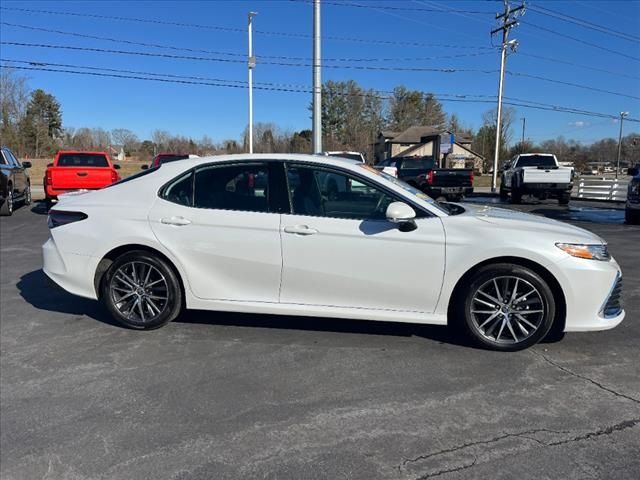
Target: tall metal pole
[
  {"x": 251, "y": 64},
  {"x": 496, "y": 154},
  {"x": 622, "y": 115},
  {"x": 524, "y": 121},
  {"x": 317, "y": 81}
]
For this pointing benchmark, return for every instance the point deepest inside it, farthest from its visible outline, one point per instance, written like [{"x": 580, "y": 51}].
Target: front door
[
  {"x": 339, "y": 250},
  {"x": 218, "y": 222}
]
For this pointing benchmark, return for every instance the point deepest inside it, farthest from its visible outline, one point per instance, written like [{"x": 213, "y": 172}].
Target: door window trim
[{"x": 420, "y": 211}]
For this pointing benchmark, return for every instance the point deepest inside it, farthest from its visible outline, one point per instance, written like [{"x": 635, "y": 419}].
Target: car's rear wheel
[
  {"x": 6, "y": 209},
  {"x": 632, "y": 217},
  {"x": 503, "y": 192},
  {"x": 564, "y": 198},
  {"x": 516, "y": 196},
  {"x": 508, "y": 307},
  {"x": 141, "y": 290}
]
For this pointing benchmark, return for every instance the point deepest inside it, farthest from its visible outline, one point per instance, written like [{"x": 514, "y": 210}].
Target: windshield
[
  {"x": 409, "y": 189},
  {"x": 82, "y": 160},
  {"x": 418, "y": 163},
  {"x": 350, "y": 156},
  {"x": 537, "y": 160},
  {"x": 171, "y": 158}
]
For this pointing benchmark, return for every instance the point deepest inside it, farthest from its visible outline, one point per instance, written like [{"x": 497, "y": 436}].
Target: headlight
[{"x": 590, "y": 252}]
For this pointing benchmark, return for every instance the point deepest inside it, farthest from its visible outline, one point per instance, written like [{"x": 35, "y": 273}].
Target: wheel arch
[
  {"x": 111, "y": 256},
  {"x": 558, "y": 294}
]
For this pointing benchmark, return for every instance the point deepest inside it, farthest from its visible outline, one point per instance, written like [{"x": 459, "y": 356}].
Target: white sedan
[{"x": 257, "y": 233}]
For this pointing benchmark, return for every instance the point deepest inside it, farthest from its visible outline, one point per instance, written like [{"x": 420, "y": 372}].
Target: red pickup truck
[{"x": 77, "y": 170}]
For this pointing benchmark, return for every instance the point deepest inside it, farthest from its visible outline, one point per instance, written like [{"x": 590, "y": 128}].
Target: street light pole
[
  {"x": 622, "y": 115},
  {"x": 524, "y": 121},
  {"x": 251, "y": 64},
  {"x": 317, "y": 81}
]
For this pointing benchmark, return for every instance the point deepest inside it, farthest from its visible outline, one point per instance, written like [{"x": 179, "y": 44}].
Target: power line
[
  {"x": 242, "y": 30},
  {"x": 587, "y": 67},
  {"x": 231, "y": 60},
  {"x": 521, "y": 103},
  {"x": 387, "y": 7},
  {"x": 579, "y": 40},
  {"x": 236, "y": 54},
  {"x": 583, "y": 23}
]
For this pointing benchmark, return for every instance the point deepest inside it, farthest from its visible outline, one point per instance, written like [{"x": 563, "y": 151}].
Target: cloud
[{"x": 579, "y": 124}]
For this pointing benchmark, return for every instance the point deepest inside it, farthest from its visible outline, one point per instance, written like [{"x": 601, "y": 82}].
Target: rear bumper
[
  {"x": 453, "y": 190},
  {"x": 548, "y": 188},
  {"x": 54, "y": 193},
  {"x": 72, "y": 272}
]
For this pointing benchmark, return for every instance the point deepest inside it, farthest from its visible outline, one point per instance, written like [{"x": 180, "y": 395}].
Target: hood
[{"x": 515, "y": 220}]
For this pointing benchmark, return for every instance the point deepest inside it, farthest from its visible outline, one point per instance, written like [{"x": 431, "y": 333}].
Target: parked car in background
[
  {"x": 632, "y": 208},
  {"x": 73, "y": 170},
  {"x": 424, "y": 174},
  {"x": 166, "y": 158},
  {"x": 15, "y": 184},
  {"x": 196, "y": 235},
  {"x": 536, "y": 174},
  {"x": 358, "y": 156}
]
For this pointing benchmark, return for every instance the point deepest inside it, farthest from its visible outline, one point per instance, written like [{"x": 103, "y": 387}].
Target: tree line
[{"x": 352, "y": 117}]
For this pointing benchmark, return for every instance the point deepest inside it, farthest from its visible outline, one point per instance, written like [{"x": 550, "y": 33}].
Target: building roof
[
  {"x": 415, "y": 134},
  {"x": 389, "y": 133}
]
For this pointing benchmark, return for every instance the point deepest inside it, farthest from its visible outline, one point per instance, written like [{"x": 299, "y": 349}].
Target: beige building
[{"x": 428, "y": 141}]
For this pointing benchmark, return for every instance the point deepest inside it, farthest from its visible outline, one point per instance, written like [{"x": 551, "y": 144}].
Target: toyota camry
[{"x": 268, "y": 234}]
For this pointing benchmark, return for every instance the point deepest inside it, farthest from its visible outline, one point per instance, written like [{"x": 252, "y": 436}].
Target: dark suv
[
  {"x": 632, "y": 210},
  {"x": 15, "y": 184}
]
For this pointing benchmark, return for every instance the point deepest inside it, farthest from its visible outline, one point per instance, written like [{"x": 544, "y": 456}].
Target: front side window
[
  {"x": 328, "y": 193},
  {"x": 232, "y": 187},
  {"x": 3, "y": 161}
]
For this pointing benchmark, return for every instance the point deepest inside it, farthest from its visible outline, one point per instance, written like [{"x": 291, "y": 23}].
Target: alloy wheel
[
  {"x": 507, "y": 310},
  {"x": 139, "y": 291}
]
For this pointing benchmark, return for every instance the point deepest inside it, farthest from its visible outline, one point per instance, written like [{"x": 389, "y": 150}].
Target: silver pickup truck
[{"x": 537, "y": 174}]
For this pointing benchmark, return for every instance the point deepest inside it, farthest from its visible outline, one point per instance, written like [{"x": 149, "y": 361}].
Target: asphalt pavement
[{"x": 230, "y": 396}]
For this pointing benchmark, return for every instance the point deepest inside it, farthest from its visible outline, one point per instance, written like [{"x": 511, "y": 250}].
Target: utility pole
[
  {"x": 508, "y": 22},
  {"x": 251, "y": 64},
  {"x": 317, "y": 81},
  {"x": 524, "y": 120},
  {"x": 622, "y": 115}
]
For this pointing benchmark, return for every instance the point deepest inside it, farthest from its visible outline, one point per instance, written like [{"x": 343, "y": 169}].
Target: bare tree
[{"x": 126, "y": 138}]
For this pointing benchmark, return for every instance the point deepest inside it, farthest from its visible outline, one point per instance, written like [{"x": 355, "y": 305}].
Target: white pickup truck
[{"x": 536, "y": 174}]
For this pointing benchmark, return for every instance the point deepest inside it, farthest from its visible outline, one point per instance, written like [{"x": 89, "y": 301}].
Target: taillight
[
  {"x": 58, "y": 218},
  {"x": 48, "y": 177},
  {"x": 430, "y": 177},
  {"x": 114, "y": 176},
  {"x": 471, "y": 177}
]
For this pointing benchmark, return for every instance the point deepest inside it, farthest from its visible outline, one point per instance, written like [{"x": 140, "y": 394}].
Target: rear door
[
  {"x": 220, "y": 223},
  {"x": 343, "y": 252}
]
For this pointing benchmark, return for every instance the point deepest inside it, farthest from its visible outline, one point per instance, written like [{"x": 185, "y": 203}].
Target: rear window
[
  {"x": 82, "y": 160},
  {"x": 418, "y": 163},
  {"x": 536, "y": 161},
  {"x": 171, "y": 158}
]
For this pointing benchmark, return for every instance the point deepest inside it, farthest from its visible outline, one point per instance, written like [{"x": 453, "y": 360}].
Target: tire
[
  {"x": 6, "y": 210},
  {"x": 631, "y": 217},
  {"x": 503, "y": 192},
  {"x": 162, "y": 301},
  {"x": 564, "y": 199},
  {"x": 27, "y": 195},
  {"x": 491, "y": 323},
  {"x": 48, "y": 203},
  {"x": 516, "y": 196}
]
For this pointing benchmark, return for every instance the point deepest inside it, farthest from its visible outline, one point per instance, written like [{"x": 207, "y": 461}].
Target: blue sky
[{"x": 196, "y": 110}]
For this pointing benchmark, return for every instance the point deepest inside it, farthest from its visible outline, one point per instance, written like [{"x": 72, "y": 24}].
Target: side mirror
[
  {"x": 144, "y": 167},
  {"x": 116, "y": 166},
  {"x": 403, "y": 215},
  {"x": 633, "y": 171},
  {"x": 49, "y": 164},
  {"x": 26, "y": 164}
]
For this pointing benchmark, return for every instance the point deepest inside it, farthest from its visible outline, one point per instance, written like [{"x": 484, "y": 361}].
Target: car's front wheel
[
  {"x": 508, "y": 307},
  {"x": 141, "y": 290}
]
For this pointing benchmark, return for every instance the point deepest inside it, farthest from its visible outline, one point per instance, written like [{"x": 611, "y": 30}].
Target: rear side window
[
  {"x": 233, "y": 187},
  {"x": 180, "y": 191},
  {"x": 82, "y": 160}
]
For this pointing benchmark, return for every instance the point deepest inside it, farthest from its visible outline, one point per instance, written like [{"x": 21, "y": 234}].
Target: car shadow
[
  {"x": 39, "y": 207},
  {"x": 42, "y": 293}
]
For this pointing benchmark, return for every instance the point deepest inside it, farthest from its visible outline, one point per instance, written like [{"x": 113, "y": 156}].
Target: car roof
[{"x": 248, "y": 157}]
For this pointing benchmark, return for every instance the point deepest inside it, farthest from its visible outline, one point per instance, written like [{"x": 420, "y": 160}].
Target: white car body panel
[{"x": 340, "y": 272}]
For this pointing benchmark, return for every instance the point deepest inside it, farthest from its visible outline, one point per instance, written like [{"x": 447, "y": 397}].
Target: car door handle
[
  {"x": 177, "y": 221},
  {"x": 300, "y": 230}
]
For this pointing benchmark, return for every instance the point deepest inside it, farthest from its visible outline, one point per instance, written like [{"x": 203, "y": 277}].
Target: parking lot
[{"x": 217, "y": 396}]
